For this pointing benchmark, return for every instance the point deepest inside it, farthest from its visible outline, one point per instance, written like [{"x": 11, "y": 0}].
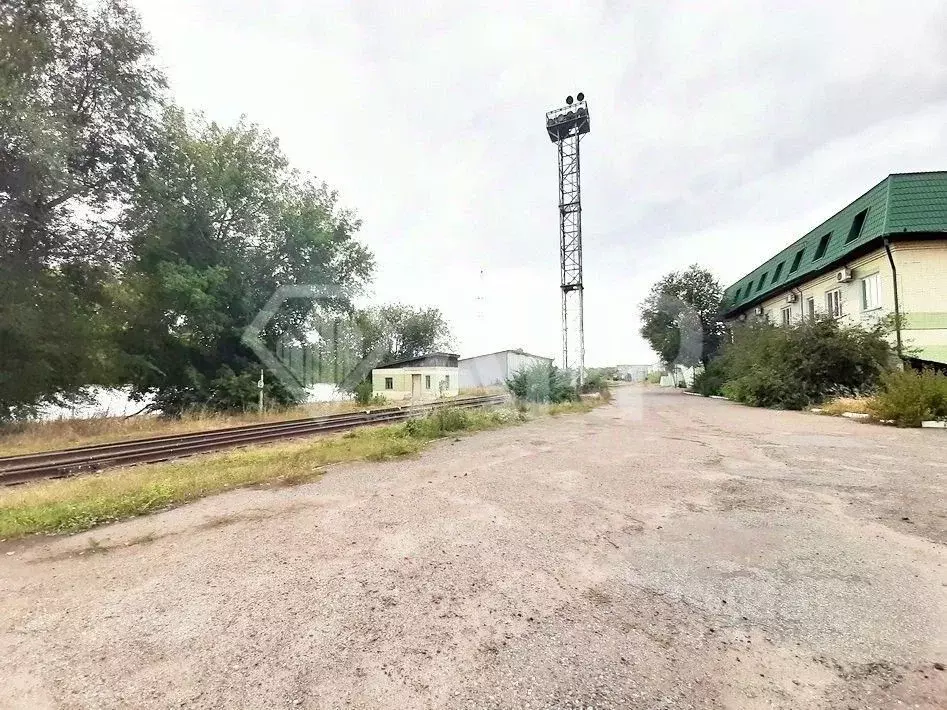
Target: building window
[
  {"x": 787, "y": 315},
  {"x": 389, "y": 383},
  {"x": 823, "y": 245},
  {"x": 796, "y": 261},
  {"x": 857, "y": 224},
  {"x": 810, "y": 308},
  {"x": 427, "y": 382},
  {"x": 833, "y": 303},
  {"x": 871, "y": 292},
  {"x": 447, "y": 382},
  {"x": 778, "y": 272}
]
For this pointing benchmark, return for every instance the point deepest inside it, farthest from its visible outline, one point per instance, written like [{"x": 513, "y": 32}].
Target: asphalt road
[{"x": 664, "y": 551}]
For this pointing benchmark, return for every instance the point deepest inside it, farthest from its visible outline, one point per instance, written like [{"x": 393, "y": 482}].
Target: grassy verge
[{"x": 75, "y": 504}]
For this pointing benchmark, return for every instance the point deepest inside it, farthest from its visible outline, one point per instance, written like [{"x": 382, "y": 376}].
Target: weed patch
[{"x": 908, "y": 398}]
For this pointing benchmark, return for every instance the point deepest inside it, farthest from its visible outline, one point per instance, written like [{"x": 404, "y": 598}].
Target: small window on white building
[
  {"x": 447, "y": 382},
  {"x": 389, "y": 383},
  {"x": 833, "y": 303},
  {"x": 871, "y": 292},
  {"x": 786, "y": 315},
  {"x": 810, "y": 308},
  {"x": 427, "y": 382}
]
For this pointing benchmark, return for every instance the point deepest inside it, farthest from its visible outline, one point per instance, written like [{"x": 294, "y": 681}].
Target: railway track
[{"x": 85, "y": 459}]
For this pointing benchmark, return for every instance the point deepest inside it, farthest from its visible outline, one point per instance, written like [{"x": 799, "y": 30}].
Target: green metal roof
[{"x": 900, "y": 204}]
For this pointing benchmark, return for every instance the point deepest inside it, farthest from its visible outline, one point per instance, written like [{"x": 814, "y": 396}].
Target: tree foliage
[
  {"x": 137, "y": 242},
  {"x": 78, "y": 91},
  {"x": 397, "y": 331},
  {"x": 218, "y": 224},
  {"x": 680, "y": 318}
]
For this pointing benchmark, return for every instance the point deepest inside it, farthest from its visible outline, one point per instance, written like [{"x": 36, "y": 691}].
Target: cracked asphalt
[{"x": 664, "y": 551}]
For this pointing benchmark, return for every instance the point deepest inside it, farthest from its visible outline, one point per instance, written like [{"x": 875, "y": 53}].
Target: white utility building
[{"x": 494, "y": 369}]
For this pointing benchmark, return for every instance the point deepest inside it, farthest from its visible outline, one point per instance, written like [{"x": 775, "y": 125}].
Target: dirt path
[{"x": 662, "y": 552}]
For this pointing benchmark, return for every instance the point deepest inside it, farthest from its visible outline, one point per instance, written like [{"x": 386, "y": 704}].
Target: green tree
[
  {"x": 396, "y": 331},
  {"x": 219, "y": 223},
  {"x": 78, "y": 90},
  {"x": 680, "y": 318}
]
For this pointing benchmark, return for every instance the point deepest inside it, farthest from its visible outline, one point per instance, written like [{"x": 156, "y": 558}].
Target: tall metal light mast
[{"x": 565, "y": 127}]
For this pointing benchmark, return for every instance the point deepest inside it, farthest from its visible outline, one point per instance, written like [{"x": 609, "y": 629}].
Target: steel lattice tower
[{"x": 565, "y": 127}]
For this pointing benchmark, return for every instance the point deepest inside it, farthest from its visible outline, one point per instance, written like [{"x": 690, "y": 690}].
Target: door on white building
[{"x": 416, "y": 386}]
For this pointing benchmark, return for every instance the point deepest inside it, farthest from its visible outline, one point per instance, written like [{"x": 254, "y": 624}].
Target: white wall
[
  {"x": 483, "y": 370},
  {"x": 494, "y": 369}
]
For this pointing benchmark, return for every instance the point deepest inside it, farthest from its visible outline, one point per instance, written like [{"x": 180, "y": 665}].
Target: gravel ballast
[{"x": 660, "y": 552}]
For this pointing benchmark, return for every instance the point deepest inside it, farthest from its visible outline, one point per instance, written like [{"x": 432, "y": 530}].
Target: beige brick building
[{"x": 847, "y": 265}]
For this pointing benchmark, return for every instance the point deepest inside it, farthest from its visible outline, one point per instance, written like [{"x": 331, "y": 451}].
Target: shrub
[
  {"x": 654, "y": 378},
  {"x": 596, "y": 382},
  {"x": 542, "y": 382},
  {"x": 710, "y": 380},
  {"x": 363, "y": 392},
  {"x": 910, "y": 397},
  {"x": 796, "y": 366}
]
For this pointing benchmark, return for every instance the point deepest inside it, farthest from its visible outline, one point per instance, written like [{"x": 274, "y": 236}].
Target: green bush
[
  {"x": 910, "y": 397},
  {"x": 654, "y": 378},
  {"x": 709, "y": 381},
  {"x": 797, "y": 366},
  {"x": 542, "y": 383},
  {"x": 442, "y": 421},
  {"x": 363, "y": 392},
  {"x": 595, "y": 381}
]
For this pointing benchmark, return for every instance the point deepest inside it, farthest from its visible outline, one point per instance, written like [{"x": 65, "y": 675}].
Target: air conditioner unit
[
  {"x": 792, "y": 298},
  {"x": 759, "y": 310},
  {"x": 843, "y": 275}
]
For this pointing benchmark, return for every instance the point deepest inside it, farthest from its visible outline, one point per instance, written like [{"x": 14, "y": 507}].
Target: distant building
[
  {"x": 495, "y": 368},
  {"x": 846, "y": 267},
  {"x": 636, "y": 373},
  {"x": 418, "y": 379}
]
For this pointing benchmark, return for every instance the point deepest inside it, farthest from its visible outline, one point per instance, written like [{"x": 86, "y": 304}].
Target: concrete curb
[{"x": 934, "y": 424}]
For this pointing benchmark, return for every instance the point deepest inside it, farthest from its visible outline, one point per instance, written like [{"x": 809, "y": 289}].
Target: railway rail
[{"x": 86, "y": 459}]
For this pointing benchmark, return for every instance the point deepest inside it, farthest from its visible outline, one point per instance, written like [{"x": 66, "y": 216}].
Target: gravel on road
[{"x": 663, "y": 551}]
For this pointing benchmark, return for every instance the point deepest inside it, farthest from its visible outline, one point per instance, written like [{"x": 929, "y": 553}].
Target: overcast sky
[{"x": 721, "y": 131}]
